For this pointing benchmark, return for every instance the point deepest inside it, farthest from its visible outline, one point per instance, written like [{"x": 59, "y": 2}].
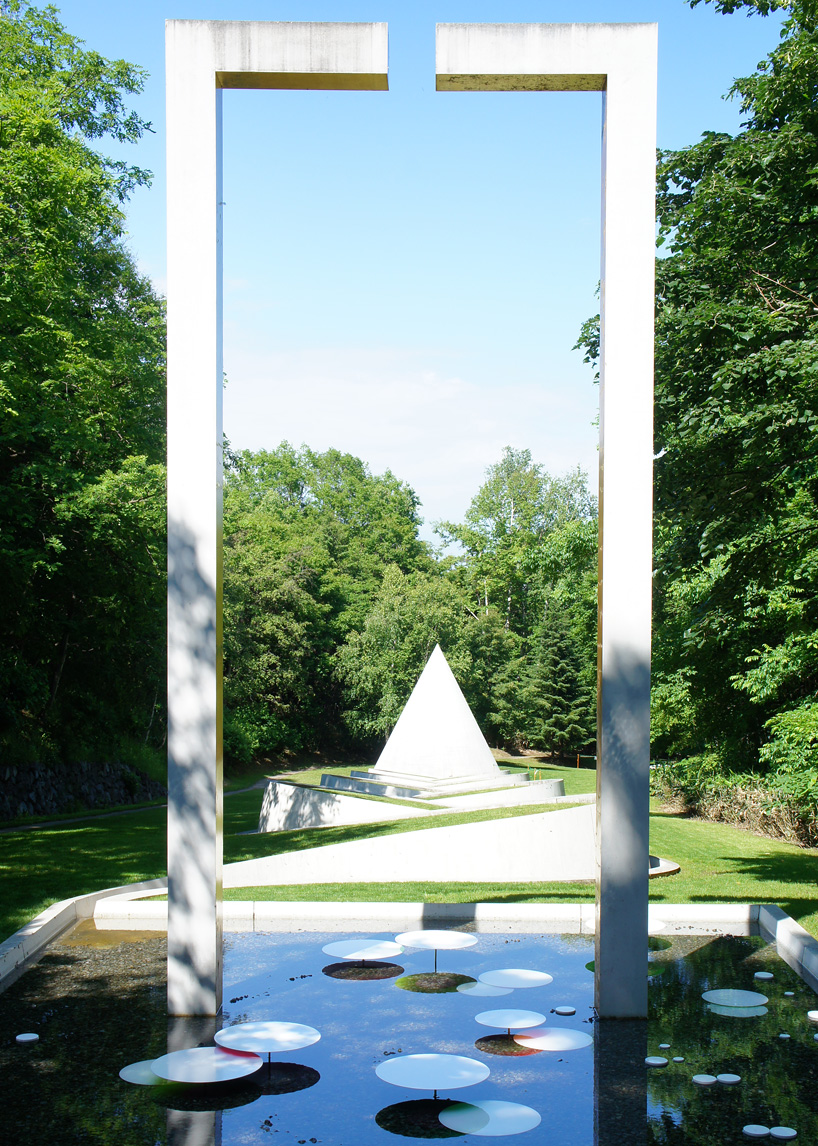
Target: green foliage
[
  {"x": 518, "y": 506},
  {"x": 308, "y": 538},
  {"x": 82, "y": 400},
  {"x": 736, "y": 478}
]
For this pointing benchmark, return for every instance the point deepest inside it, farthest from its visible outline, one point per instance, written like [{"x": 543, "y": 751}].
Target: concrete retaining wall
[
  {"x": 287, "y": 806},
  {"x": 541, "y": 847}
]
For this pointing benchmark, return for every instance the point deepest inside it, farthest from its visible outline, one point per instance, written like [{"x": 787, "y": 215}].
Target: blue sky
[{"x": 406, "y": 272}]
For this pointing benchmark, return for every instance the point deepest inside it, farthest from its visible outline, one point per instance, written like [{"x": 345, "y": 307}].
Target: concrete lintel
[
  {"x": 533, "y": 57},
  {"x": 283, "y": 54}
]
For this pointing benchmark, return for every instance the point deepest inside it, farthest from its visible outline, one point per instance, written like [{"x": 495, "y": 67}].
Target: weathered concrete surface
[{"x": 287, "y": 806}]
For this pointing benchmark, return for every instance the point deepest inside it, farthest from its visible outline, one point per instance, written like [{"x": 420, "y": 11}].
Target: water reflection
[{"x": 98, "y": 1009}]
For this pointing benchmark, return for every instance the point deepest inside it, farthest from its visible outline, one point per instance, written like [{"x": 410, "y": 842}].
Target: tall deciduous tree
[
  {"x": 736, "y": 615},
  {"x": 517, "y": 506},
  {"x": 81, "y": 393},
  {"x": 309, "y": 538}
]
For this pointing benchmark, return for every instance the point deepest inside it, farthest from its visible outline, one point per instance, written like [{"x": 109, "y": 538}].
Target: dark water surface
[{"x": 97, "y": 1000}]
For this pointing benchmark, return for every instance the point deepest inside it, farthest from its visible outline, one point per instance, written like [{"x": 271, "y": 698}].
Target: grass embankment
[{"x": 720, "y": 864}]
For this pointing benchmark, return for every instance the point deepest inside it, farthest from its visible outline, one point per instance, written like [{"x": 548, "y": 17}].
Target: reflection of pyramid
[{"x": 436, "y": 744}]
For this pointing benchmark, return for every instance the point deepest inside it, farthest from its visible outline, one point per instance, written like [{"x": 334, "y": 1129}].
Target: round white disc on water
[
  {"x": 363, "y": 949},
  {"x": 733, "y": 998},
  {"x": 554, "y": 1039},
  {"x": 27, "y": 1038},
  {"x": 490, "y": 1118},
  {"x": 140, "y": 1073},
  {"x": 436, "y": 940},
  {"x": 508, "y": 1018},
  {"x": 516, "y": 977},
  {"x": 205, "y": 1064},
  {"x": 754, "y": 1130},
  {"x": 432, "y": 1071},
  {"x": 704, "y": 1079},
  {"x": 483, "y": 990}
]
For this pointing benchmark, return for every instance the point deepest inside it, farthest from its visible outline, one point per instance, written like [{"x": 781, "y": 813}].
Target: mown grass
[
  {"x": 719, "y": 863},
  {"x": 577, "y": 780}
]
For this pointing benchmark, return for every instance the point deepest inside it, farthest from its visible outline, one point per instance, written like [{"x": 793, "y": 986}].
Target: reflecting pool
[{"x": 97, "y": 1001}]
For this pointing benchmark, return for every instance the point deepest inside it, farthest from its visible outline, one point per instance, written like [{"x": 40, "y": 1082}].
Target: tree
[
  {"x": 82, "y": 392},
  {"x": 516, "y": 507},
  {"x": 380, "y": 664},
  {"x": 309, "y": 538},
  {"x": 736, "y": 603}
]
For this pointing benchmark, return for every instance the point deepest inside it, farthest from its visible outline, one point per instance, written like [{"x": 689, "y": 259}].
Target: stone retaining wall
[{"x": 39, "y": 789}]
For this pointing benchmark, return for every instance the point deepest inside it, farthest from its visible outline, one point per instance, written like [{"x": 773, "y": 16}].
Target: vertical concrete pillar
[
  {"x": 618, "y": 60},
  {"x": 625, "y": 531},
  {"x": 194, "y": 523},
  {"x": 202, "y": 58}
]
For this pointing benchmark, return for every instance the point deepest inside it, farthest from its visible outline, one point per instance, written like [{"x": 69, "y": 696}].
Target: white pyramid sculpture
[{"x": 436, "y": 741}]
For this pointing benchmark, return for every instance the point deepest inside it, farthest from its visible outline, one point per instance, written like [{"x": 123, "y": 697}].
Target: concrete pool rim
[{"x": 131, "y": 907}]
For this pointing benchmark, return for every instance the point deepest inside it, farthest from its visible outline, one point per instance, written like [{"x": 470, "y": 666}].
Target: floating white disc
[
  {"x": 733, "y": 998},
  {"x": 432, "y": 1071},
  {"x": 678, "y": 1058},
  {"x": 728, "y": 1079},
  {"x": 490, "y": 1118},
  {"x": 812, "y": 1016},
  {"x": 765, "y": 975},
  {"x": 783, "y": 1035},
  {"x": 363, "y": 949},
  {"x": 565, "y": 1010},
  {"x": 704, "y": 1079},
  {"x": 140, "y": 1073},
  {"x": 655, "y": 1060},
  {"x": 483, "y": 990},
  {"x": 508, "y": 1018},
  {"x": 737, "y": 1012},
  {"x": 516, "y": 977},
  {"x": 664, "y": 1046},
  {"x": 267, "y": 1037},
  {"x": 205, "y": 1064},
  {"x": 783, "y": 1133},
  {"x": 753, "y": 1130},
  {"x": 27, "y": 1038},
  {"x": 789, "y": 994},
  {"x": 554, "y": 1039},
  {"x": 436, "y": 940}
]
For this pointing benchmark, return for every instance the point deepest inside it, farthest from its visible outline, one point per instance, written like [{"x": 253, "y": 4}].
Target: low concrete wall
[
  {"x": 543, "y": 846},
  {"x": 534, "y": 792},
  {"x": 795, "y": 945},
  {"x": 287, "y": 806},
  {"x": 26, "y": 943}
]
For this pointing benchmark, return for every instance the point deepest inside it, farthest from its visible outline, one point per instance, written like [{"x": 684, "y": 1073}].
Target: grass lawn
[
  {"x": 577, "y": 780},
  {"x": 719, "y": 863}
]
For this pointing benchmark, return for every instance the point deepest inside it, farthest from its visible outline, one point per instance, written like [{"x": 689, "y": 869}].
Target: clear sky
[{"x": 406, "y": 272}]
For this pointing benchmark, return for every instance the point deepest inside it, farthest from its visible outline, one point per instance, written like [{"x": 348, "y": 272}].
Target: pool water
[{"x": 97, "y": 1001}]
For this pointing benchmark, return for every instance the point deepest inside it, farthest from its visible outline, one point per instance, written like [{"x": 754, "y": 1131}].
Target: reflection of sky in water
[
  {"x": 100, "y": 1008},
  {"x": 363, "y": 1023}
]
